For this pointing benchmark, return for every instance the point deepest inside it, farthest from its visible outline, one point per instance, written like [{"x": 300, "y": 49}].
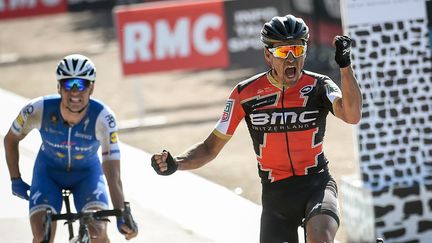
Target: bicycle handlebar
[
  {"x": 91, "y": 214},
  {"x": 85, "y": 216}
]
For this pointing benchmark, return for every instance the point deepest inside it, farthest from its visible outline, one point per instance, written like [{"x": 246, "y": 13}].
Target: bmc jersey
[
  {"x": 70, "y": 147},
  {"x": 287, "y": 125}
]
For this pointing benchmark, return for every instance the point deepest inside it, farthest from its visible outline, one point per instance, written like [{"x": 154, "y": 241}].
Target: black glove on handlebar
[
  {"x": 343, "y": 51},
  {"x": 172, "y": 165},
  {"x": 126, "y": 219},
  {"x": 129, "y": 221}
]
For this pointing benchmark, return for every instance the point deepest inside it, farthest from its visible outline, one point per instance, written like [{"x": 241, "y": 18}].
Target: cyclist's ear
[
  {"x": 91, "y": 88},
  {"x": 267, "y": 55}
]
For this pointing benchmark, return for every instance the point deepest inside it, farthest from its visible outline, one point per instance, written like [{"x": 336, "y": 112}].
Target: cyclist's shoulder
[
  {"x": 105, "y": 117},
  {"x": 42, "y": 99},
  {"x": 321, "y": 78},
  {"x": 99, "y": 104},
  {"x": 37, "y": 104},
  {"x": 96, "y": 103},
  {"x": 247, "y": 82},
  {"x": 50, "y": 97}
]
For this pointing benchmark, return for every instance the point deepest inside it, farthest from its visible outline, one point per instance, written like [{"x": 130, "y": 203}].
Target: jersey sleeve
[
  {"x": 231, "y": 116},
  {"x": 107, "y": 134},
  {"x": 29, "y": 118},
  {"x": 333, "y": 93}
]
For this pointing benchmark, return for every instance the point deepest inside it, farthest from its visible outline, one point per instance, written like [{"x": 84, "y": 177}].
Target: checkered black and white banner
[{"x": 393, "y": 63}]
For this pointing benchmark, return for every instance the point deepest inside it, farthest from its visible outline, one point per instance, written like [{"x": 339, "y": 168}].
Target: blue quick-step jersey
[{"x": 70, "y": 147}]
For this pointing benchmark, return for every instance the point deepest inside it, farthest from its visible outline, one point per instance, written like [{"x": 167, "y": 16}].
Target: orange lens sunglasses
[{"x": 283, "y": 51}]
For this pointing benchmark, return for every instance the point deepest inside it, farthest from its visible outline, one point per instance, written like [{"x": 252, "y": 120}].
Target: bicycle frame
[
  {"x": 83, "y": 217},
  {"x": 65, "y": 195}
]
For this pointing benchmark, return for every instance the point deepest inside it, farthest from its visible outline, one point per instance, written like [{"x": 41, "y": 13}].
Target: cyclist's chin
[{"x": 76, "y": 107}]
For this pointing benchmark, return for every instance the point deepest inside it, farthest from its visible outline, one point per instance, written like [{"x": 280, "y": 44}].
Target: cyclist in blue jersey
[{"x": 72, "y": 126}]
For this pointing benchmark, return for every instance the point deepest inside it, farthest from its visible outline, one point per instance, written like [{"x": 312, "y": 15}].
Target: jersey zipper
[
  {"x": 286, "y": 132},
  {"x": 69, "y": 165}
]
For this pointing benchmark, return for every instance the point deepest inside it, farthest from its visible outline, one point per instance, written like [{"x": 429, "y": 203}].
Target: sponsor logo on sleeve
[
  {"x": 20, "y": 120},
  {"x": 332, "y": 89},
  {"x": 110, "y": 120},
  {"x": 28, "y": 110},
  {"x": 113, "y": 137},
  {"x": 227, "y": 111}
]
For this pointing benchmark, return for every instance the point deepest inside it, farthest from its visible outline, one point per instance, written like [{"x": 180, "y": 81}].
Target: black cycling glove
[
  {"x": 172, "y": 165},
  {"x": 343, "y": 51},
  {"x": 126, "y": 219}
]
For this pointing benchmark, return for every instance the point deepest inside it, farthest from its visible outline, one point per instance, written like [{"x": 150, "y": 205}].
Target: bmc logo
[
  {"x": 278, "y": 118},
  {"x": 167, "y": 37},
  {"x": 22, "y": 8}
]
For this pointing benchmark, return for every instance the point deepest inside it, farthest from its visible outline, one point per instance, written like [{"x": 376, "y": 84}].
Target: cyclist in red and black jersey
[{"x": 285, "y": 110}]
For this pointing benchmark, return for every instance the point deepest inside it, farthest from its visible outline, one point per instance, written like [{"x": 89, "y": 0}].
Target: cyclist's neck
[
  {"x": 284, "y": 84},
  {"x": 70, "y": 117}
]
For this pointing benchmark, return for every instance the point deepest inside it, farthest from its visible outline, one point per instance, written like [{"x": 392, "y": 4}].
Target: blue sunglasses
[{"x": 80, "y": 84}]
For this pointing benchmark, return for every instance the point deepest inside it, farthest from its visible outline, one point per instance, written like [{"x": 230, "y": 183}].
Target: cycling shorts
[
  {"x": 87, "y": 186},
  {"x": 287, "y": 202}
]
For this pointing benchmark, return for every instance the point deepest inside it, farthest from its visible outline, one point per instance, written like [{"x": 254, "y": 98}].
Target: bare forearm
[
  {"x": 201, "y": 153},
  {"x": 116, "y": 193},
  {"x": 12, "y": 155},
  {"x": 195, "y": 157},
  {"x": 352, "y": 97},
  {"x": 112, "y": 174}
]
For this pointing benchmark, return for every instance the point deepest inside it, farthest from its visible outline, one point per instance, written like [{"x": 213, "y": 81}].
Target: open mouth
[
  {"x": 74, "y": 100},
  {"x": 290, "y": 72}
]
